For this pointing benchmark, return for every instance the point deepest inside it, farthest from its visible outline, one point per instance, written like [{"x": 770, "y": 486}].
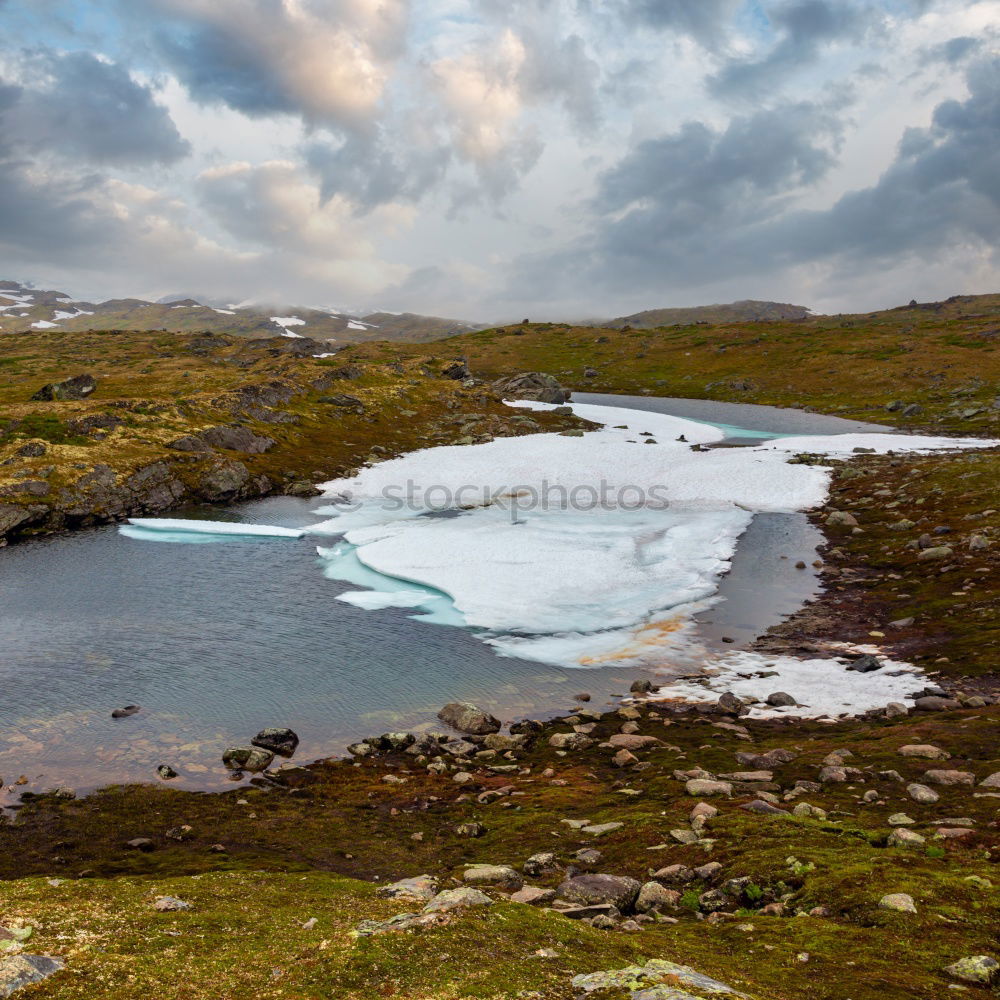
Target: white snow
[
  {"x": 285, "y": 322},
  {"x": 582, "y": 581},
  {"x": 354, "y": 325},
  {"x": 180, "y": 526},
  {"x": 225, "y": 312},
  {"x": 62, "y": 314},
  {"x": 44, "y": 324}
]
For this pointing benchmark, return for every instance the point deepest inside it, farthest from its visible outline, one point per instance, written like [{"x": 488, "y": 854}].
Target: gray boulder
[
  {"x": 532, "y": 385},
  {"x": 237, "y": 438},
  {"x": 588, "y": 890},
  {"x": 247, "y": 758},
  {"x": 18, "y": 971},
  {"x": 280, "y": 741},
  {"x": 468, "y": 718}
]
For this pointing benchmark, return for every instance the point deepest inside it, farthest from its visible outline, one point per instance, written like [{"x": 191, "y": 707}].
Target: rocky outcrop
[
  {"x": 532, "y": 385},
  {"x": 237, "y": 438},
  {"x": 77, "y": 387}
]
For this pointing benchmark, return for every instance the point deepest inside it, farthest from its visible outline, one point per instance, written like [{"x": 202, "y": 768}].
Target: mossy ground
[
  {"x": 161, "y": 387},
  {"x": 294, "y": 848},
  {"x": 943, "y": 358}
]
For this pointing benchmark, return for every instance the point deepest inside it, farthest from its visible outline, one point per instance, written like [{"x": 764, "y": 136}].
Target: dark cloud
[
  {"x": 804, "y": 28},
  {"x": 79, "y": 106},
  {"x": 326, "y": 61},
  {"x": 955, "y": 50},
  {"x": 697, "y": 177},
  {"x": 41, "y": 218},
  {"x": 366, "y": 169},
  {"x": 72, "y": 110},
  {"x": 218, "y": 67},
  {"x": 699, "y": 206},
  {"x": 705, "y": 20}
]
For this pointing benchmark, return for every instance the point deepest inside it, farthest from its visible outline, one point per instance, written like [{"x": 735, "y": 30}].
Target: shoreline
[{"x": 823, "y": 620}]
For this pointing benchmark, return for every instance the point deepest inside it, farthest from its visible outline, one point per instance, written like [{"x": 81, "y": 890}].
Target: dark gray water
[
  {"x": 238, "y": 635},
  {"x": 740, "y": 420}
]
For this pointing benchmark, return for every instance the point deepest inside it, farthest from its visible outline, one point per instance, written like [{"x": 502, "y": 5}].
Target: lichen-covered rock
[
  {"x": 570, "y": 741},
  {"x": 247, "y": 758},
  {"x": 533, "y": 895},
  {"x": 541, "y": 864},
  {"x": 901, "y": 902},
  {"x": 924, "y": 750},
  {"x": 457, "y": 899},
  {"x": 904, "y": 838},
  {"x": 501, "y": 876},
  {"x": 706, "y": 787},
  {"x": 682, "y": 982},
  {"x": 951, "y": 777},
  {"x": 237, "y": 438},
  {"x": 18, "y": 971},
  {"x": 654, "y": 896},
  {"x": 979, "y": 969},
  {"x": 922, "y": 794},
  {"x": 419, "y": 889}
]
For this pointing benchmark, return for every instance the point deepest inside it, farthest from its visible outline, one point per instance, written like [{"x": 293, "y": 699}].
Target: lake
[{"x": 217, "y": 641}]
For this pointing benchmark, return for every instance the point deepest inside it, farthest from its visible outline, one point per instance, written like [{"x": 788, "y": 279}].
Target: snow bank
[{"x": 822, "y": 687}]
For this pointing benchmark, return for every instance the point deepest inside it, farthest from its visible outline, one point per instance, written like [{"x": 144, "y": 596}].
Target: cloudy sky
[{"x": 492, "y": 159}]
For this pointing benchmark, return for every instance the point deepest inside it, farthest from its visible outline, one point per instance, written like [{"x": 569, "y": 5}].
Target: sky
[{"x": 497, "y": 159}]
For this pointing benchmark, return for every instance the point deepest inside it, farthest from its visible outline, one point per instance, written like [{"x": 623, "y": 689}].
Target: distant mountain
[
  {"x": 24, "y": 309},
  {"x": 748, "y": 310}
]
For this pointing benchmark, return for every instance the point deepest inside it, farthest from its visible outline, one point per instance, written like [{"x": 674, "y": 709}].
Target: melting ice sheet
[
  {"x": 176, "y": 529},
  {"x": 596, "y": 550}
]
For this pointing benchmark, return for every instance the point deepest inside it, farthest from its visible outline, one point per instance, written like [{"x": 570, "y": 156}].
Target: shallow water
[
  {"x": 225, "y": 639},
  {"x": 741, "y": 421}
]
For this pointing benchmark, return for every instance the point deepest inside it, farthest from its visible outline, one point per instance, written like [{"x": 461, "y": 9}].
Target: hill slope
[
  {"x": 745, "y": 311},
  {"x": 24, "y": 309}
]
